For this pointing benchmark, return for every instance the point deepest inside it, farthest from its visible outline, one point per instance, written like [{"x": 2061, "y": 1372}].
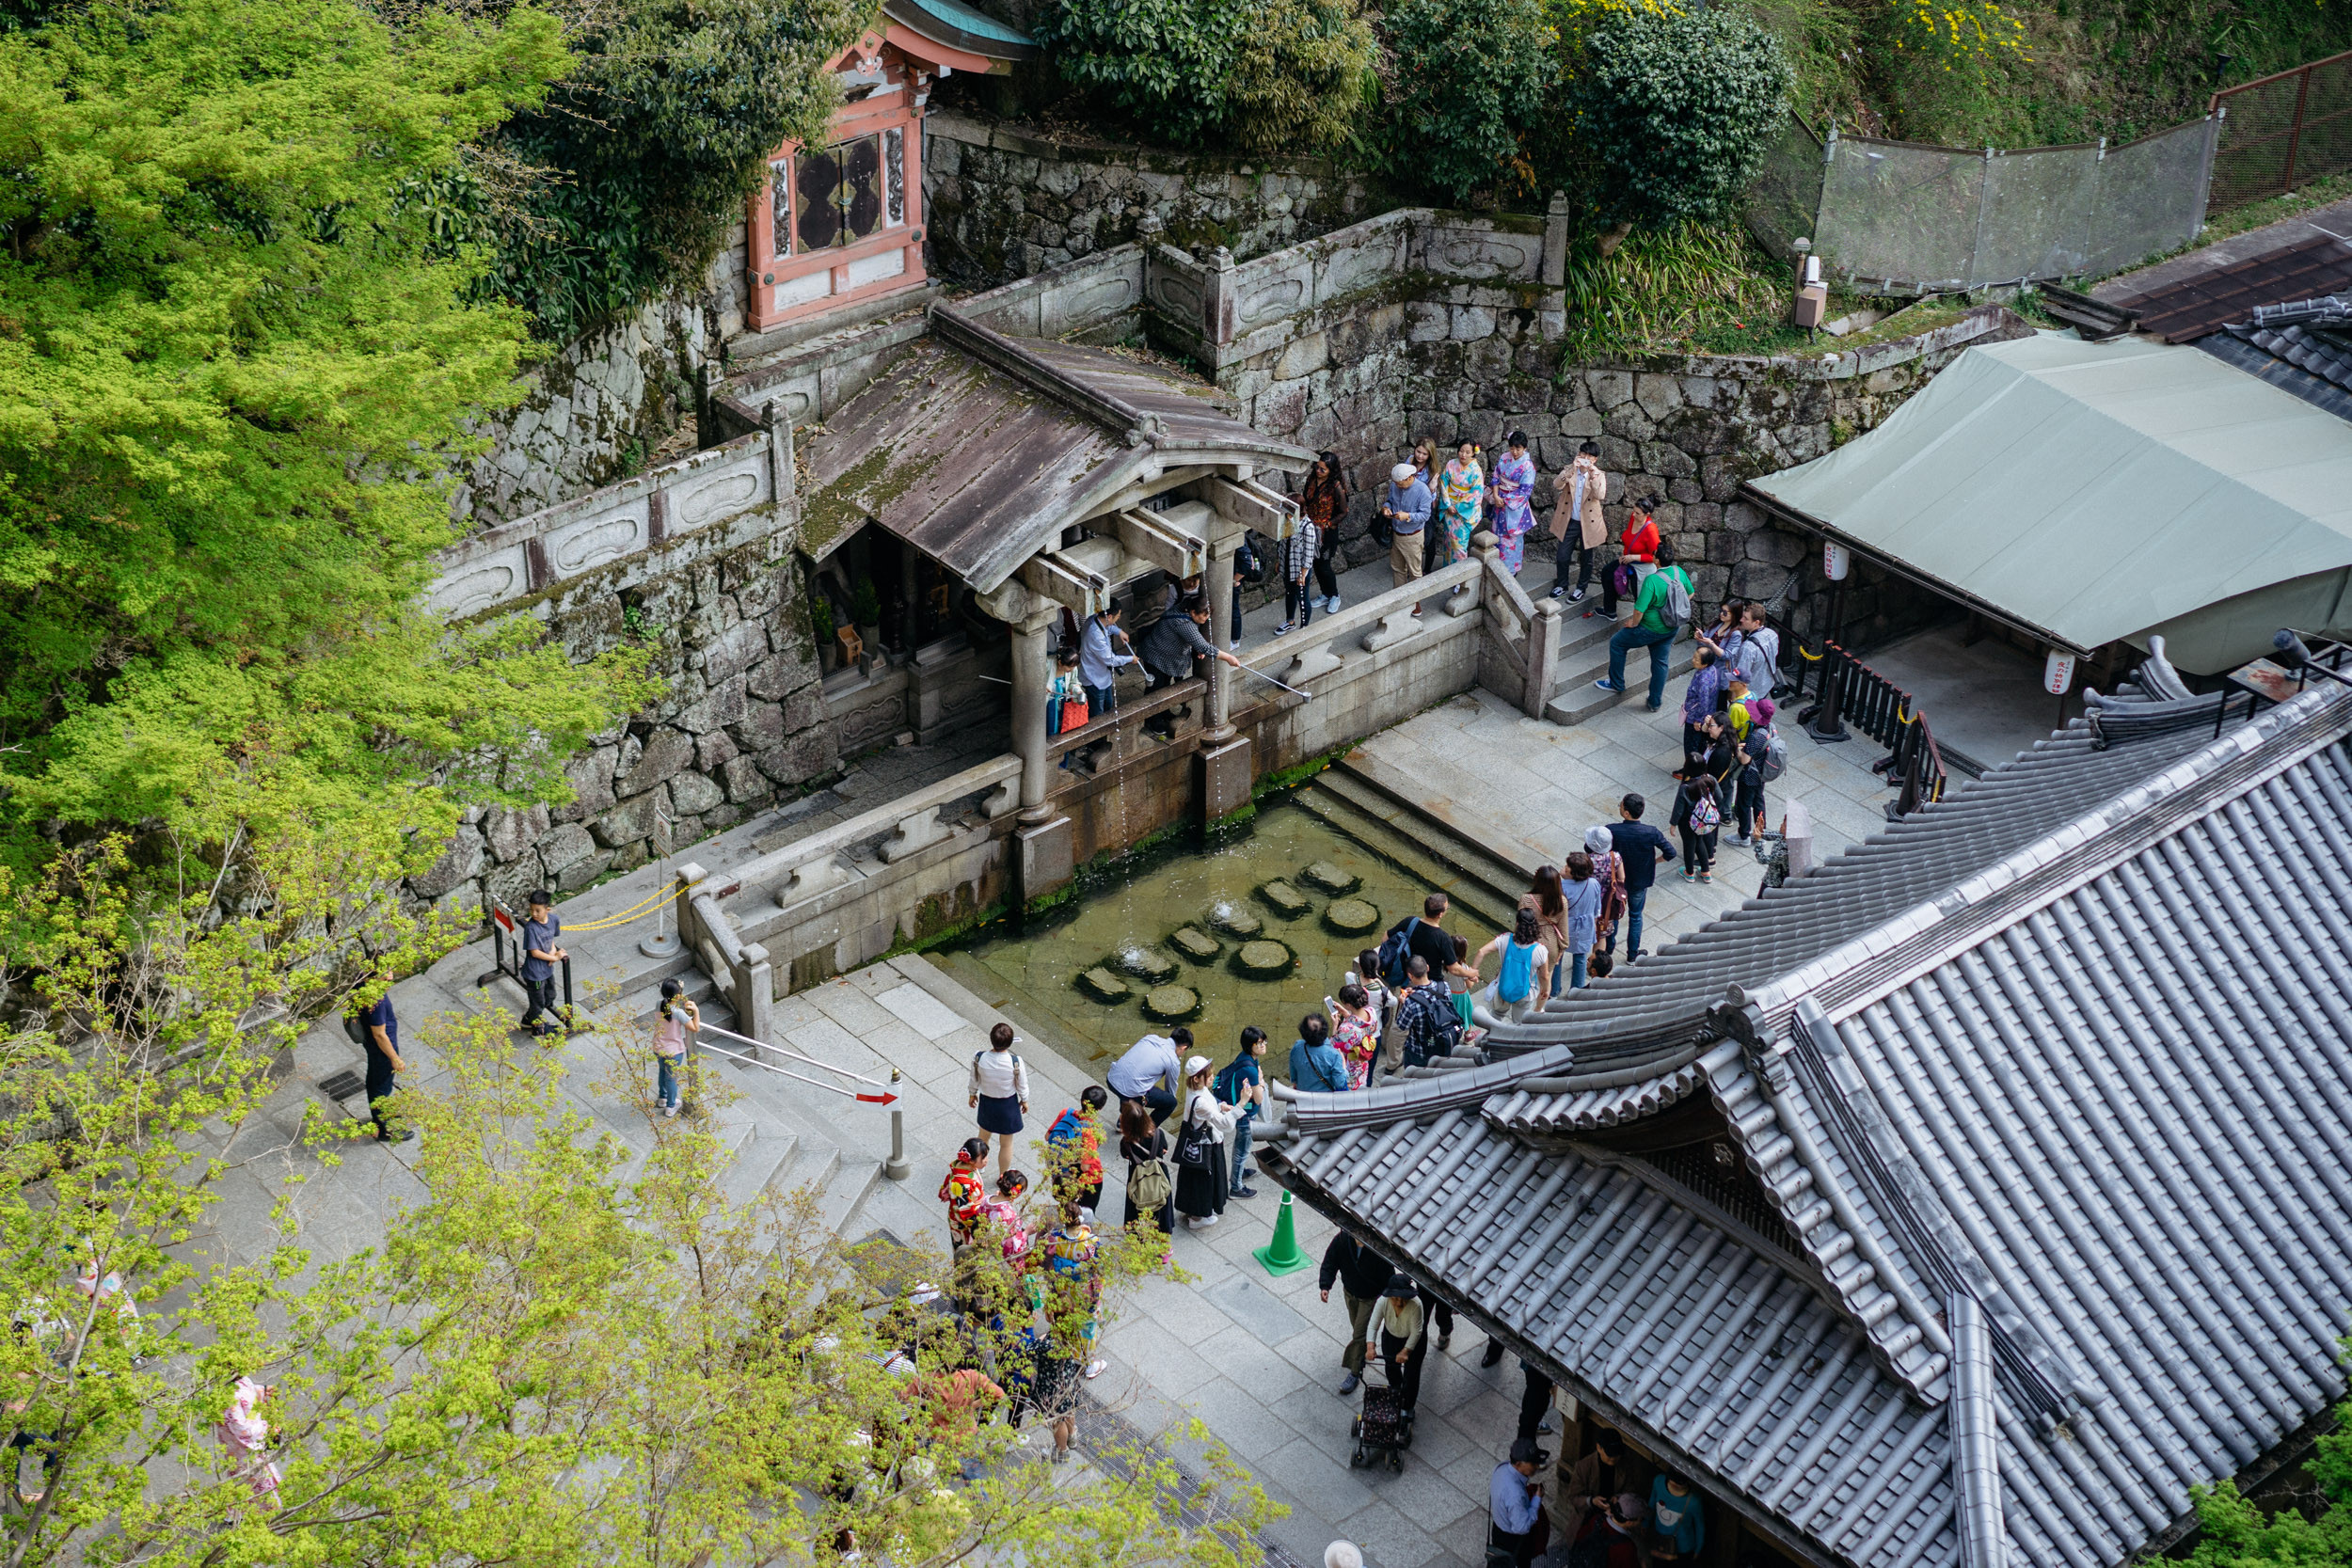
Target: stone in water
[
  {"x": 1102, "y": 985},
  {"x": 1144, "y": 964},
  {"x": 1264, "y": 960},
  {"x": 1234, "y": 921},
  {"x": 1352, "y": 917},
  {"x": 1333, "y": 879},
  {"x": 1283, "y": 899},
  {"x": 1171, "y": 1004},
  {"x": 1195, "y": 944}
]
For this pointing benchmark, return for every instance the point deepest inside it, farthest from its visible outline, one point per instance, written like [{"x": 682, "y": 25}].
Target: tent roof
[{"x": 2092, "y": 492}]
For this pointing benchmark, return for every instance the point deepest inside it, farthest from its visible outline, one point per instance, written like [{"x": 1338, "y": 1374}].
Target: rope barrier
[{"x": 635, "y": 912}]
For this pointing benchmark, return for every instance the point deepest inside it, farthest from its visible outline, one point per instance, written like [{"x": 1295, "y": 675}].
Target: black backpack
[
  {"x": 1249, "y": 562},
  {"x": 1396, "y": 950}
]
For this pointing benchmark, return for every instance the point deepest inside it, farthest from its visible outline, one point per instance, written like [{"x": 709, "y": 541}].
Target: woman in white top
[
  {"x": 1403, "y": 1329},
  {"x": 1202, "y": 1190},
  {"x": 1000, "y": 1090},
  {"x": 1519, "y": 989}
]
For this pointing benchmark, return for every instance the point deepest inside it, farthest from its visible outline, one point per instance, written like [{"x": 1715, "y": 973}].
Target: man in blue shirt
[
  {"x": 1405, "y": 505},
  {"x": 1099, "y": 662},
  {"x": 1639, "y": 846},
  {"x": 540, "y": 956},
  {"x": 381, "y": 1028},
  {"x": 1317, "y": 1065},
  {"x": 1152, "y": 1072},
  {"x": 1516, "y": 1504}
]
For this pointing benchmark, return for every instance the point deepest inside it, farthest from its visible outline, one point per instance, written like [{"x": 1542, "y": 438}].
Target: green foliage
[
  {"x": 1676, "y": 112},
  {"x": 1166, "y": 62},
  {"x": 1704, "y": 282},
  {"x": 1473, "y": 81},
  {"x": 651, "y": 146},
  {"x": 566, "y": 1350},
  {"x": 865, "y": 601},
  {"x": 235, "y": 364},
  {"x": 2234, "y": 1533},
  {"x": 1301, "y": 78}
]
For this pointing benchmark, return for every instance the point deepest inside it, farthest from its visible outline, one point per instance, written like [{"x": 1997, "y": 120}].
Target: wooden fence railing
[{"x": 1850, "y": 690}]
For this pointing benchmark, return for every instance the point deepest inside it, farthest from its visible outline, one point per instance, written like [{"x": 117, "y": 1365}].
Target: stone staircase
[
  {"x": 1584, "y": 659},
  {"x": 1367, "y": 801}
]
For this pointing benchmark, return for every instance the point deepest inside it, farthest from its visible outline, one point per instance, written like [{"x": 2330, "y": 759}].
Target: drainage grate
[{"x": 342, "y": 1086}]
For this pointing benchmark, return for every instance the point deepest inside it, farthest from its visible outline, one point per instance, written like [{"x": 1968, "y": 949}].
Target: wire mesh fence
[
  {"x": 2281, "y": 132},
  {"x": 1902, "y": 217}
]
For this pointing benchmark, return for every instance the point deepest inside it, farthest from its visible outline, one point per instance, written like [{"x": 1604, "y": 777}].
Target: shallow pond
[{"x": 1185, "y": 921}]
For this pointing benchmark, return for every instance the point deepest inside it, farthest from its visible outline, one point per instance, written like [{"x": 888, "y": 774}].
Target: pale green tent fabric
[{"x": 2092, "y": 492}]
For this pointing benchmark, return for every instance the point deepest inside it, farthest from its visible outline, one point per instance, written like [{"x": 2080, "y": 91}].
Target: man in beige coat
[{"x": 1576, "y": 520}]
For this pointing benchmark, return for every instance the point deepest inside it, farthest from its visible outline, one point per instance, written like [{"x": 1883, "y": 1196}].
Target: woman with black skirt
[
  {"x": 1000, "y": 1092},
  {"x": 1202, "y": 1190}
]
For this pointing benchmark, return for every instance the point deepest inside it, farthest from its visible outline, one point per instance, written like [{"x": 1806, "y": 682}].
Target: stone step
[
  {"x": 1578, "y": 699},
  {"x": 1468, "y": 869},
  {"x": 1335, "y": 802}
]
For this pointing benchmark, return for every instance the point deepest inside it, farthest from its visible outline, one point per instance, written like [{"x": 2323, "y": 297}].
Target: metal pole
[
  {"x": 567, "y": 993},
  {"x": 896, "y": 1166}
]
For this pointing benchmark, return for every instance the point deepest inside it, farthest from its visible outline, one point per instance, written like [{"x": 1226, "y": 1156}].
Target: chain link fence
[
  {"x": 2279, "y": 132},
  {"x": 1900, "y": 218}
]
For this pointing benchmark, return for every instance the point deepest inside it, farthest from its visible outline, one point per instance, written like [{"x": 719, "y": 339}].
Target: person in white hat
[
  {"x": 1404, "y": 504},
  {"x": 1343, "y": 1553},
  {"x": 1208, "y": 1124}
]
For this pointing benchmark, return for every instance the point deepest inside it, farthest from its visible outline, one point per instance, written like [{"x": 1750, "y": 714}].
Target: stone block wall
[{"x": 1005, "y": 202}]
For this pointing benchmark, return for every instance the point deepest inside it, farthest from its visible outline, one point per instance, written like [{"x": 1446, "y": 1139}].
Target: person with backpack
[
  {"x": 1763, "y": 757},
  {"x": 1637, "y": 556},
  {"x": 1697, "y": 815},
  {"x": 964, "y": 1194},
  {"x": 1150, "y": 1187},
  {"x": 1517, "y": 990},
  {"x": 1316, "y": 1066},
  {"x": 1426, "y": 1016},
  {"x": 1417, "y": 935},
  {"x": 1241, "y": 1083},
  {"x": 1073, "y": 1145},
  {"x": 1658, "y": 617},
  {"x": 1608, "y": 871},
  {"x": 999, "y": 1090},
  {"x": 1638, "y": 847}
]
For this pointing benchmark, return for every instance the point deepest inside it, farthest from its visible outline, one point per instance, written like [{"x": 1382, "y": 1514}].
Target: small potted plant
[
  {"x": 865, "y": 605},
  {"x": 820, "y": 623}
]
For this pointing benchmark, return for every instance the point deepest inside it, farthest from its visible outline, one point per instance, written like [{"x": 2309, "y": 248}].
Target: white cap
[
  {"x": 1343, "y": 1553},
  {"x": 1195, "y": 1064},
  {"x": 1397, "y": 475}
]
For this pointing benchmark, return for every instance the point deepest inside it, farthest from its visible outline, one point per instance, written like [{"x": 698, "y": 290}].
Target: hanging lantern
[
  {"x": 1834, "y": 562},
  {"x": 2058, "y": 674}
]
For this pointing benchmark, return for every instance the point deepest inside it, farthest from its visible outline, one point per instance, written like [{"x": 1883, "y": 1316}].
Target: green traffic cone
[{"x": 1283, "y": 1255}]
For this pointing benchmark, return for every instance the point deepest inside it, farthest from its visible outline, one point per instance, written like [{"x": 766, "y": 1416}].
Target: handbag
[
  {"x": 1073, "y": 713},
  {"x": 1194, "y": 1146}
]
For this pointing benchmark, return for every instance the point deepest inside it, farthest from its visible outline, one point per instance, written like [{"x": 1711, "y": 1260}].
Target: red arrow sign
[{"x": 878, "y": 1099}]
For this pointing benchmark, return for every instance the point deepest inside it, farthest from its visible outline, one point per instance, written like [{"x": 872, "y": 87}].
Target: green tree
[
  {"x": 1472, "y": 80},
  {"x": 2234, "y": 1533},
  {"x": 651, "y": 146},
  {"x": 1674, "y": 113},
  {"x": 1166, "y": 62},
  {"x": 568, "y": 1349},
  {"x": 1301, "y": 78},
  {"x": 237, "y": 363}
]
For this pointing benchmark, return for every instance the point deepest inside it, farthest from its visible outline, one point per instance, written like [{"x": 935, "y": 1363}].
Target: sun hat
[
  {"x": 1195, "y": 1064},
  {"x": 1343, "y": 1553}
]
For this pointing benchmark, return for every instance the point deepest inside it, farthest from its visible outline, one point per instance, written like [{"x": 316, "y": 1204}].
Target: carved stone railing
[
  {"x": 1360, "y": 633},
  {"x": 903, "y": 828}
]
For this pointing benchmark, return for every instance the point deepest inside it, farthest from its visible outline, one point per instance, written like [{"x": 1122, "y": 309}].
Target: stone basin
[
  {"x": 1102, "y": 985},
  {"x": 1337, "y": 881},
  {"x": 1263, "y": 959},
  {"x": 1284, "y": 899},
  {"x": 1171, "y": 1004},
  {"x": 1193, "y": 943},
  {"x": 1352, "y": 917}
]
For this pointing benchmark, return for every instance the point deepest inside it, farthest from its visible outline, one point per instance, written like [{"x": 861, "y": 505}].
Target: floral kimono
[
  {"x": 245, "y": 1433},
  {"x": 1358, "y": 1042},
  {"x": 1459, "y": 491},
  {"x": 1515, "y": 487}
]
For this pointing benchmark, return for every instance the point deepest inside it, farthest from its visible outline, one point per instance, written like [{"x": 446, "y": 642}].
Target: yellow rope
[
  {"x": 635, "y": 912},
  {"x": 1811, "y": 658}
]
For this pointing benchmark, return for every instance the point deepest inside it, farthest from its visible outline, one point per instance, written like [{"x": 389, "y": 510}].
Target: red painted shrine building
[{"x": 843, "y": 223}]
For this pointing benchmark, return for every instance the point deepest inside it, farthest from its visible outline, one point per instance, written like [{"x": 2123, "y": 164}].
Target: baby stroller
[{"x": 1382, "y": 1428}]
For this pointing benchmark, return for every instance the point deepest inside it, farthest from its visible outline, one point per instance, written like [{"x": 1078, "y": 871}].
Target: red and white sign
[{"x": 2058, "y": 674}]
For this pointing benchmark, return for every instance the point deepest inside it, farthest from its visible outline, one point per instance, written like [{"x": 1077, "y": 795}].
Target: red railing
[{"x": 2283, "y": 130}]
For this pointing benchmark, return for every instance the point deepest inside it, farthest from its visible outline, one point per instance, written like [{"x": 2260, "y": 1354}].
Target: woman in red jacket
[{"x": 1637, "y": 547}]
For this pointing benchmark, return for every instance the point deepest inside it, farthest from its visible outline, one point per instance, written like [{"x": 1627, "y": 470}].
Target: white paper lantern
[
  {"x": 1834, "y": 562},
  {"x": 2058, "y": 674}
]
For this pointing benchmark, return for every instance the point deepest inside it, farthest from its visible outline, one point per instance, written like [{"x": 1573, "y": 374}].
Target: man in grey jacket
[{"x": 1175, "y": 640}]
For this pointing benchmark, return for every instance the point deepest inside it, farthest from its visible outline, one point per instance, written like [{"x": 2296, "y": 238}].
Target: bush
[
  {"x": 1166, "y": 62},
  {"x": 1472, "y": 78},
  {"x": 1301, "y": 77},
  {"x": 1675, "y": 113}
]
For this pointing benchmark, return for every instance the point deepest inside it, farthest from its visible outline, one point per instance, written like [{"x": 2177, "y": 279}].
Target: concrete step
[
  {"x": 1578, "y": 699},
  {"x": 1336, "y": 803}
]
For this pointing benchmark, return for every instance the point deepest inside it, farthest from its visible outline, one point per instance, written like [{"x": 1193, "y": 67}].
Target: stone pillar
[
  {"x": 1218, "y": 583},
  {"x": 1030, "y": 676},
  {"x": 1543, "y": 656}
]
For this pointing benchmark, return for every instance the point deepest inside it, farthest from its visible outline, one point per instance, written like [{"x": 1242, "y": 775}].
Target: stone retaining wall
[{"x": 1005, "y": 202}]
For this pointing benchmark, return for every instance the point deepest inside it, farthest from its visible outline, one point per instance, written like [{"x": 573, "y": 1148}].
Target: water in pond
[{"x": 1186, "y": 932}]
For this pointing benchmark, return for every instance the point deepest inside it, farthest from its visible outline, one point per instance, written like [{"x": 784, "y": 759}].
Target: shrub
[
  {"x": 1473, "y": 78},
  {"x": 1166, "y": 62},
  {"x": 1300, "y": 78},
  {"x": 1675, "y": 113}
]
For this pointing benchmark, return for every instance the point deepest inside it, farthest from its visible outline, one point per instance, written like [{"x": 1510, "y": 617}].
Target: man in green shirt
[{"x": 1650, "y": 623}]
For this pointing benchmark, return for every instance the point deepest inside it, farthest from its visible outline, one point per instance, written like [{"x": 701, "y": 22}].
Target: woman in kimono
[
  {"x": 1460, "y": 489},
  {"x": 1514, "y": 491}
]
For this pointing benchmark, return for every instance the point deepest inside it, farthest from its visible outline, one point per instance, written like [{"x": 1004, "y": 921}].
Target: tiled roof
[
  {"x": 2313, "y": 363},
  {"x": 2028, "y": 1209},
  {"x": 2186, "y": 309}
]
